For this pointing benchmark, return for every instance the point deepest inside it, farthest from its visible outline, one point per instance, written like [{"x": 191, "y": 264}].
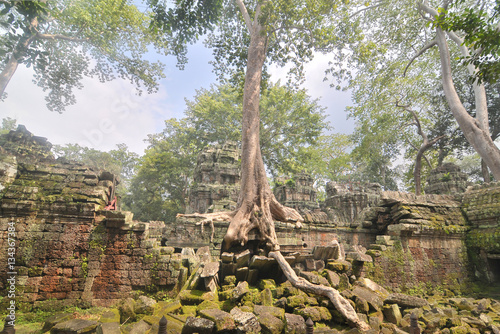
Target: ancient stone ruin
[{"x": 71, "y": 251}]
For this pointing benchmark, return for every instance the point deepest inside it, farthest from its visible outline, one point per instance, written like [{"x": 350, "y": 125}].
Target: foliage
[
  {"x": 8, "y": 124},
  {"x": 291, "y": 125},
  {"x": 480, "y": 25},
  {"x": 158, "y": 190},
  {"x": 65, "y": 41}
]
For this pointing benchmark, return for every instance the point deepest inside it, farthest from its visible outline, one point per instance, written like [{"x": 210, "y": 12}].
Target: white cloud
[
  {"x": 335, "y": 101},
  {"x": 106, "y": 114}
]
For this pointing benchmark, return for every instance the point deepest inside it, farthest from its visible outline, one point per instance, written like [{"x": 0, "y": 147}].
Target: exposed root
[{"x": 340, "y": 303}]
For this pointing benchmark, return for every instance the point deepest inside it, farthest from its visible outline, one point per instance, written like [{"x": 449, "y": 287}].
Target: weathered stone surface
[
  {"x": 57, "y": 318},
  {"x": 294, "y": 324},
  {"x": 223, "y": 320},
  {"x": 316, "y": 313},
  {"x": 198, "y": 325},
  {"x": 371, "y": 297},
  {"x": 240, "y": 290},
  {"x": 195, "y": 297},
  {"x": 111, "y": 315},
  {"x": 109, "y": 328},
  {"x": 246, "y": 322},
  {"x": 144, "y": 305},
  {"x": 242, "y": 259},
  {"x": 332, "y": 277},
  {"x": 274, "y": 311},
  {"x": 270, "y": 324},
  {"x": 227, "y": 257},
  {"x": 314, "y": 278},
  {"x": 392, "y": 314},
  {"x": 140, "y": 327},
  {"x": 405, "y": 301},
  {"x": 74, "y": 326}
]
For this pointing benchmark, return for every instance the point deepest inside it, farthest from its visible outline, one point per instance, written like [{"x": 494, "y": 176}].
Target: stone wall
[
  {"x": 481, "y": 204},
  {"x": 67, "y": 249},
  {"x": 345, "y": 201}
]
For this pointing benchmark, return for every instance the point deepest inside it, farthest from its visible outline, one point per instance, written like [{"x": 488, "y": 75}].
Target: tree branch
[
  {"x": 61, "y": 37},
  {"x": 366, "y": 8},
  {"x": 246, "y": 16},
  {"x": 421, "y": 52}
]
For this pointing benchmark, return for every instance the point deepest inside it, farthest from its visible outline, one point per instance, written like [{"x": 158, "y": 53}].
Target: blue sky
[{"x": 107, "y": 114}]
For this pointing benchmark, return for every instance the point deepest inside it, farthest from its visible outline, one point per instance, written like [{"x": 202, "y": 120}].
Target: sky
[{"x": 107, "y": 114}]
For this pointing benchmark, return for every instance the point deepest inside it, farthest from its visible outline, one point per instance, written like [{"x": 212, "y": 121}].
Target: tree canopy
[{"x": 65, "y": 41}]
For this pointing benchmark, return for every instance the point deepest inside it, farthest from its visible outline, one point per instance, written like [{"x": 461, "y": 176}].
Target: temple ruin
[{"x": 71, "y": 251}]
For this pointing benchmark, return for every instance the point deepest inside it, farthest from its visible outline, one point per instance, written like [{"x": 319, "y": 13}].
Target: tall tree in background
[
  {"x": 64, "y": 41},
  {"x": 391, "y": 31},
  {"x": 291, "y": 125},
  {"x": 269, "y": 30}
]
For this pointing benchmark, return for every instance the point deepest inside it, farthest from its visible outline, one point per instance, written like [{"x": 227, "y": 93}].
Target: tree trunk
[
  {"x": 13, "y": 61},
  {"x": 475, "y": 135},
  {"x": 485, "y": 171},
  {"x": 7, "y": 73}
]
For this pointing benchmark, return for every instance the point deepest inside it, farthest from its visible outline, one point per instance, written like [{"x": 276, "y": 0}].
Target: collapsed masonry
[{"x": 69, "y": 250}]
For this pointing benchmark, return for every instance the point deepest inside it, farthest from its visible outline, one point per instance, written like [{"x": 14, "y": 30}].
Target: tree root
[
  {"x": 340, "y": 303},
  {"x": 262, "y": 218}
]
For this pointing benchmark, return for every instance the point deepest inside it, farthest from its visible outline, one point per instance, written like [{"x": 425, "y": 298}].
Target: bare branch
[
  {"x": 366, "y": 8},
  {"x": 61, "y": 37},
  {"x": 427, "y": 9},
  {"x": 246, "y": 16},
  {"x": 421, "y": 52}
]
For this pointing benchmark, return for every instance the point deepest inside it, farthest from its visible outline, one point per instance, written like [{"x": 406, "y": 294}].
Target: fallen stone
[
  {"x": 75, "y": 326},
  {"x": 240, "y": 290},
  {"x": 314, "y": 278},
  {"x": 227, "y": 257},
  {"x": 140, "y": 327},
  {"x": 242, "y": 274},
  {"x": 246, "y": 322},
  {"x": 144, "y": 305},
  {"x": 207, "y": 304},
  {"x": 326, "y": 252},
  {"x": 57, "y": 318},
  {"x": 111, "y": 315},
  {"x": 109, "y": 328},
  {"x": 270, "y": 324},
  {"x": 405, "y": 301},
  {"x": 195, "y": 297},
  {"x": 366, "y": 282},
  {"x": 316, "y": 313},
  {"x": 294, "y": 324},
  {"x": 332, "y": 277},
  {"x": 198, "y": 325},
  {"x": 242, "y": 258},
  {"x": 272, "y": 310},
  {"x": 210, "y": 269},
  {"x": 392, "y": 313},
  {"x": 261, "y": 262},
  {"x": 223, "y": 320},
  {"x": 371, "y": 297},
  {"x": 126, "y": 309}
]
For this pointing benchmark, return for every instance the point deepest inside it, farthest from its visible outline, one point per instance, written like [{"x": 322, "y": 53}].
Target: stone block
[
  {"x": 74, "y": 326},
  {"x": 198, "y": 325},
  {"x": 223, "y": 320},
  {"x": 246, "y": 322},
  {"x": 294, "y": 324}
]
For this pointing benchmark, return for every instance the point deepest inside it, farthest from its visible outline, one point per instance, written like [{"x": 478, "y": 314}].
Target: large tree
[
  {"x": 265, "y": 30},
  {"x": 290, "y": 132},
  {"x": 405, "y": 31},
  {"x": 64, "y": 41}
]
